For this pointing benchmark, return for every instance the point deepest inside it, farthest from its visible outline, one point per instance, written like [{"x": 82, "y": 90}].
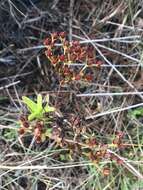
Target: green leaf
[
  {"x": 47, "y": 98},
  {"x": 31, "y": 105},
  {"x": 36, "y": 109},
  {"x": 137, "y": 112},
  {"x": 48, "y": 108},
  {"x": 32, "y": 116},
  {"x": 39, "y": 102}
]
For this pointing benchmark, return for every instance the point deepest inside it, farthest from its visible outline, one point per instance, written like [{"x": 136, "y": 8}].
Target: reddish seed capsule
[
  {"x": 66, "y": 43},
  {"x": 25, "y": 124},
  {"x": 120, "y": 134},
  {"x": 48, "y": 53},
  {"x": 39, "y": 125},
  {"x": 71, "y": 50},
  {"x": 62, "y": 34},
  {"x": 119, "y": 161},
  {"x": 66, "y": 71},
  {"x": 38, "y": 139},
  {"x": 106, "y": 171},
  {"x": 54, "y": 35},
  {"x": 21, "y": 131},
  {"x": 77, "y": 49},
  {"x": 75, "y": 43},
  {"x": 98, "y": 154},
  {"x": 98, "y": 63},
  {"x": 47, "y": 42},
  {"x": 89, "y": 77},
  {"x": 23, "y": 118},
  {"x": 54, "y": 61},
  {"x": 115, "y": 141},
  {"x": 90, "y": 62},
  {"x": 37, "y": 132},
  {"x": 92, "y": 142},
  {"x": 81, "y": 57},
  {"x": 73, "y": 57},
  {"x": 83, "y": 49},
  {"x": 107, "y": 155},
  {"x": 90, "y": 54},
  {"x": 62, "y": 57},
  {"x": 77, "y": 77},
  {"x": 24, "y": 121}
]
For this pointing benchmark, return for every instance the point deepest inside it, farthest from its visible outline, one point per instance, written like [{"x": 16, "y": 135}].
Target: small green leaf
[
  {"x": 48, "y": 108},
  {"x": 39, "y": 102},
  {"x": 31, "y": 105},
  {"x": 137, "y": 112},
  {"x": 47, "y": 98},
  {"x": 32, "y": 116}
]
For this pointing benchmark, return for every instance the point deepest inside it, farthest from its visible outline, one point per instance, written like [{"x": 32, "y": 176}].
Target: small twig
[
  {"x": 118, "y": 52},
  {"x": 7, "y": 127},
  {"x": 71, "y": 19},
  {"x": 114, "y": 111},
  {"x": 109, "y": 94},
  {"x": 129, "y": 39},
  {"x": 9, "y": 85}
]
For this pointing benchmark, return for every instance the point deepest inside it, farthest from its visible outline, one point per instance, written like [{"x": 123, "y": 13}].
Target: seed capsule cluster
[
  {"x": 102, "y": 154},
  {"x": 39, "y": 127},
  {"x": 36, "y": 129},
  {"x": 24, "y": 123},
  {"x": 63, "y": 54}
]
